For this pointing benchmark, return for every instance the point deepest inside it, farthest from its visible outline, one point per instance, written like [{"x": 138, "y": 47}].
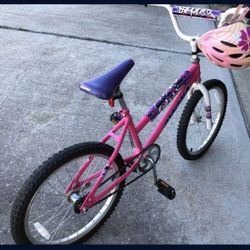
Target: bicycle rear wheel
[
  {"x": 43, "y": 214},
  {"x": 193, "y": 138}
]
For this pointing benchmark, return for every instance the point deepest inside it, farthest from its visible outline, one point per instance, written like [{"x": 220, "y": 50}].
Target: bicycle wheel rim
[{"x": 105, "y": 206}]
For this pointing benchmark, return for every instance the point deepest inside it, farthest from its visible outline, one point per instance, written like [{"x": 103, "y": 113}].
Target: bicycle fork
[{"x": 207, "y": 102}]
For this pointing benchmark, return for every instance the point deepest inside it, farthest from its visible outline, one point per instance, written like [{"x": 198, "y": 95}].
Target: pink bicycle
[{"x": 69, "y": 197}]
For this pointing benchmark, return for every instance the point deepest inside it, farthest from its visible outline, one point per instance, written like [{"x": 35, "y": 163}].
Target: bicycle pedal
[{"x": 165, "y": 189}]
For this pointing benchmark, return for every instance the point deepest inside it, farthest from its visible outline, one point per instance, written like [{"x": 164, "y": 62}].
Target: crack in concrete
[{"x": 93, "y": 40}]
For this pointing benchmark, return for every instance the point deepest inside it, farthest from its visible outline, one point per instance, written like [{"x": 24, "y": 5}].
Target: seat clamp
[{"x": 117, "y": 95}]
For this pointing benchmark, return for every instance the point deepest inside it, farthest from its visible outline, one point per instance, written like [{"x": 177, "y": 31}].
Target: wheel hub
[{"x": 77, "y": 200}]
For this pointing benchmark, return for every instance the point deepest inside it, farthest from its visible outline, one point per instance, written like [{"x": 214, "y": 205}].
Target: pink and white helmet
[{"x": 228, "y": 46}]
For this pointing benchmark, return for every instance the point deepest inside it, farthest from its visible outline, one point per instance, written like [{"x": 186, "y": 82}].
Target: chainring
[{"x": 149, "y": 157}]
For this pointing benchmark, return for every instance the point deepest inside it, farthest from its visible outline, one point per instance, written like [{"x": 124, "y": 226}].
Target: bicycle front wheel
[
  {"x": 43, "y": 214},
  {"x": 193, "y": 137}
]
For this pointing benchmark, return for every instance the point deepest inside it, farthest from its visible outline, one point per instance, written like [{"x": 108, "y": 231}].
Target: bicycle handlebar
[
  {"x": 202, "y": 13},
  {"x": 174, "y": 21}
]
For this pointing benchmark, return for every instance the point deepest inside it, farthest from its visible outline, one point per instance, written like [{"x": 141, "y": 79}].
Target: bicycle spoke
[
  {"x": 60, "y": 223},
  {"x": 96, "y": 166},
  {"x": 197, "y": 133},
  {"x": 56, "y": 189},
  {"x": 204, "y": 133},
  {"x": 70, "y": 177},
  {"x": 55, "y": 215},
  {"x": 47, "y": 194},
  {"x": 49, "y": 212},
  {"x": 63, "y": 186}
]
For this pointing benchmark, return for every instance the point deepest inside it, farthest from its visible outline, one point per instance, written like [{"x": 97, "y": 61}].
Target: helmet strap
[
  {"x": 239, "y": 14},
  {"x": 243, "y": 14},
  {"x": 236, "y": 14}
]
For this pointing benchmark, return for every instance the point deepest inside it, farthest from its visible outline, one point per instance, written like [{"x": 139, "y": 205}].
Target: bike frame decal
[
  {"x": 168, "y": 96},
  {"x": 196, "y": 12}
]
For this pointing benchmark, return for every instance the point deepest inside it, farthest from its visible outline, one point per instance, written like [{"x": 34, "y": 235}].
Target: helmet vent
[
  {"x": 236, "y": 55},
  {"x": 218, "y": 50},
  {"x": 218, "y": 58},
  {"x": 228, "y": 44},
  {"x": 236, "y": 65}
]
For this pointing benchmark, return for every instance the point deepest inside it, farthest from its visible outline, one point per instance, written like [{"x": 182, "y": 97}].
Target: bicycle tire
[
  {"x": 183, "y": 149},
  {"x": 44, "y": 172}
]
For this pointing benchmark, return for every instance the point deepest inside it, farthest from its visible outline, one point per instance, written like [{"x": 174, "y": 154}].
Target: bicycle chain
[
  {"x": 130, "y": 182},
  {"x": 123, "y": 168}
]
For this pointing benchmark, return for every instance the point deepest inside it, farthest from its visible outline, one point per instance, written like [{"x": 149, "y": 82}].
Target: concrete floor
[{"x": 43, "y": 111}]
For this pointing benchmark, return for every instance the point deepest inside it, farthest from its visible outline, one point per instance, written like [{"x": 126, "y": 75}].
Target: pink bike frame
[{"x": 173, "y": 96}]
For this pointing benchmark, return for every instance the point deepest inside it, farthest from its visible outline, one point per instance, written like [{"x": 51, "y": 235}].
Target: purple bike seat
[{"x": 105, "y": 86}]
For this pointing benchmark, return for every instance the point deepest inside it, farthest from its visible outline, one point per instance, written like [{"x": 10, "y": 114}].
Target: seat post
[
  {"x": 119, "y": 96},
  {"x": 122, "y": 103}
]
